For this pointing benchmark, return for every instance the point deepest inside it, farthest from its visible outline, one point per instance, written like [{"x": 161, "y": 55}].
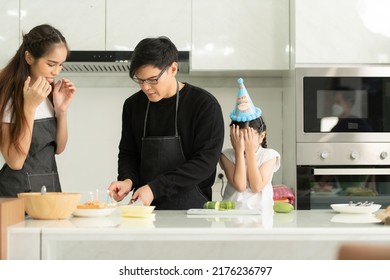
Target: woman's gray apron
[
  {"x": 40, "y": 166},
  {"x": 163, "y": 153}
]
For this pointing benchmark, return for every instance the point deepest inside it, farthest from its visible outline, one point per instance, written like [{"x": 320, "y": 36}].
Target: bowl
[
  {"x": 137, "y": 211},
  {"x": 51, "y": 205},
  {"x": 352, "y": 209}
]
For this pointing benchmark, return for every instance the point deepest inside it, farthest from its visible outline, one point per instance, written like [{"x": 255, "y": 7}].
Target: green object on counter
[
  {"x": 283, "y": 207},
  {"x": 220, "y": 205}
]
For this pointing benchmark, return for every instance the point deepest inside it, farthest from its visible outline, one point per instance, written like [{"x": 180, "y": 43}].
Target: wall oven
[{"x": 343, "y": 136}]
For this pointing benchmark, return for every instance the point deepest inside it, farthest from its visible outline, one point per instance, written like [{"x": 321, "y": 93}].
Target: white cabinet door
[
  {"x": 240, "y": 34},
  {"x": 81, "y": 22},
  {"x": 128, "y": 22},
  {"x": 348, "y": 31},
  {"x": 9, "y": 30}
]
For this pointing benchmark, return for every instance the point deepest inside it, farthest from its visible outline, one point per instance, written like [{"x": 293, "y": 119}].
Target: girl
[
  {"x": 249, "y": 165},
  {"x": 33, "y": 113}
]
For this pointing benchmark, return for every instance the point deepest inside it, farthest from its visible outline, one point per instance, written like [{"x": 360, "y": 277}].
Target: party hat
[{"x": 244, "y": 111}]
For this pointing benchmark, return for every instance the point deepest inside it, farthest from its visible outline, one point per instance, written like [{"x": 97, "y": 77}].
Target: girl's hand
[
  {"x": 63, "y": 93},
  {"x": 251, "y": 140},
  {"x": 34, "y": 94},
  {"x": 236, "y": 138}
]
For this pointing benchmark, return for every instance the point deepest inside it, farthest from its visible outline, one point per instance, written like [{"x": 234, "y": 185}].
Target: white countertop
[{"x": 175, "y": 235}]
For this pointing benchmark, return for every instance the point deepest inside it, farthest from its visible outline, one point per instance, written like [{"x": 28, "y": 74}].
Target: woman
[{"x": 33, "y": 111}]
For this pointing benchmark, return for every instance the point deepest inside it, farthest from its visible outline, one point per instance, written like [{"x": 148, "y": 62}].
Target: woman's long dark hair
[
  {"x": 38, "y": 42},
  {"x": 257, "y": 124}
]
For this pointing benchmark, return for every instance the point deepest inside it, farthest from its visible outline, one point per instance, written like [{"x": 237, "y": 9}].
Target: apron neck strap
[{"x": 177, "y": 106}]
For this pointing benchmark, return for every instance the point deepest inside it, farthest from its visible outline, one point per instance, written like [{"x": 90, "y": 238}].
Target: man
[{"x": 172, "y": 134}]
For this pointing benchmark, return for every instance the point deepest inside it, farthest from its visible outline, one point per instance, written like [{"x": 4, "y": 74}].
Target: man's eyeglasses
[{"x": 150, "y": 81}]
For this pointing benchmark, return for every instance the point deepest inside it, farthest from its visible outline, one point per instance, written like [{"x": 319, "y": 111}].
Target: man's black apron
[
  {"x": 40, "y": 166},
  {"x": 163, "y": 153}
]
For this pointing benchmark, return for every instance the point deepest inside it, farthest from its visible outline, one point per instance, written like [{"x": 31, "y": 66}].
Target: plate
[
  {"x": 355, "y": 218},
  {"x": 96, "y": 222},
  {"x": 138, "y": 215},
  {"x": 346, "y": 208},
  {"x": 94, "y": 212},
  {"x": 232, "y": 212}
]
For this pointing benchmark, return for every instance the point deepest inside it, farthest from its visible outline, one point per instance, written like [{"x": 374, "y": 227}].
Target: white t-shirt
[
  {"x": 44, "y": 110},
  {"x": 248, "y": 199}
]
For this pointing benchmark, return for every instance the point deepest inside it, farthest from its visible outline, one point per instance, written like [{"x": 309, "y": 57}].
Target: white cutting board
[{"x": 232, "y": 212}]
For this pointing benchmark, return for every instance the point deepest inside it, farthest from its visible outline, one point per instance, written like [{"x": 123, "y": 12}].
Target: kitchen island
[{"x": 301, "y": 234}]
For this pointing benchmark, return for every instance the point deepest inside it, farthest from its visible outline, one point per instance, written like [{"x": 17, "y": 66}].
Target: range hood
[{"x": 114, "y": 62}]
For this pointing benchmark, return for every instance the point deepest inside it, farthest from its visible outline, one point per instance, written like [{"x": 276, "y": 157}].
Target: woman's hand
[
  {"x": 63, "y": 93},
  {"x": 34, "y": 94}
]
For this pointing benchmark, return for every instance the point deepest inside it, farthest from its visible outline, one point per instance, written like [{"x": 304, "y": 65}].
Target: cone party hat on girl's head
[{"x": 244, "y": 111}]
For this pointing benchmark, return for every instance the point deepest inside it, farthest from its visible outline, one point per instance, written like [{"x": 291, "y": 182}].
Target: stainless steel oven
[{"x": 343, "y": 136}]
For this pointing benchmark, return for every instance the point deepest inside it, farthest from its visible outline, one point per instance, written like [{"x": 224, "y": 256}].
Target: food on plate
[
  {"x": 92, "y": 205},
  {"x": 283, "y": 207},
  {"x": 384, "y": 216},
  {"x": 220, "y": 205}
]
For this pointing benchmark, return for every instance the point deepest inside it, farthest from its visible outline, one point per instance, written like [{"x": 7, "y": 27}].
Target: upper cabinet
[
  {"x": 347, "y": 32},
  {"x": 81, "y": 22},
  {"x": 240, "y": 35},
  {"x": 128, "y": 22},
  {"x": 9, "y": 30}
]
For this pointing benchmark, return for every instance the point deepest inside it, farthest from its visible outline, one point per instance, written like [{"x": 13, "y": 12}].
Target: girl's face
[{"x": 48, "y": 66}]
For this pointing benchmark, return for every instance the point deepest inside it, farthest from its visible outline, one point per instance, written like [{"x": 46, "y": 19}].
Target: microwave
[{"x": 343, "y": 104}]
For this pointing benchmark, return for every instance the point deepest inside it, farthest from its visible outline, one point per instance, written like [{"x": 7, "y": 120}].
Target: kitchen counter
[{"x": 301, "y": 234}]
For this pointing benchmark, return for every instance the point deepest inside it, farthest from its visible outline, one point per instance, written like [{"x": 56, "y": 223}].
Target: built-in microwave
[{"x": 343, "y": 104}]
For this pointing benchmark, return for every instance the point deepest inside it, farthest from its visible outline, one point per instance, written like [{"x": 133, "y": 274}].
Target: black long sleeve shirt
[{"x": 201, "y": 128}]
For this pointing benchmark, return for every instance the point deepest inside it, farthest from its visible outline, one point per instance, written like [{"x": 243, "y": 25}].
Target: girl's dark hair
[
  {"x": 38, "y": 42},
  {"x": 257, "y": 124},
  {"x": 159, "y": 52}
]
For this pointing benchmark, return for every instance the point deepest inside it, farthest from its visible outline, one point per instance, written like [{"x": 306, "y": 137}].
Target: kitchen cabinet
[
  {"x": 9, "y": 30},
  {"x": 11, "y": 212},
  {"x": 81, "y": 22},
  {"x": 240, "y": 35},
  {"x": 348, "y": 32},
  {"x": 128, "y": 22}
]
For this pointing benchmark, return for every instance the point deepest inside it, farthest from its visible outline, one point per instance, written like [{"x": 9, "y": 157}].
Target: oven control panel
[{"x": 343, "y": 153}]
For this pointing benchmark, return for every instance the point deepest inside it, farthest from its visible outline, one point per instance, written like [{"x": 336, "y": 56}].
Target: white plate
[
  {"x": 232, "y": 212},
  {"x": 94, "y": 212},
  {"x": 346, "y": 208},
  {"x": 355, "y": 219},
  {"x": 96, "y": 222},
  {"x": 138, "y": 215}
]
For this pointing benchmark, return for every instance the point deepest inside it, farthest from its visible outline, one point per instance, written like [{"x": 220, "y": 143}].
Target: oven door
[{"x": 320, "y": 186}]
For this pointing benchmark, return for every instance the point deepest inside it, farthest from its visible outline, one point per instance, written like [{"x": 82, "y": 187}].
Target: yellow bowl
[
  {"x": 136, "y": 210},
  {"x": 51, "y": 205}
]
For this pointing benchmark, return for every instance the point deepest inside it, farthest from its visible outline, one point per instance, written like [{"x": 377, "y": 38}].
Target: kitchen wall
[{"x": 90, "y": 159}]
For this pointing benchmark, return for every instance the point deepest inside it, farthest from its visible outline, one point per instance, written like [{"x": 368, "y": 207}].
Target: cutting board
[{"x": 232, "y": 212}]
